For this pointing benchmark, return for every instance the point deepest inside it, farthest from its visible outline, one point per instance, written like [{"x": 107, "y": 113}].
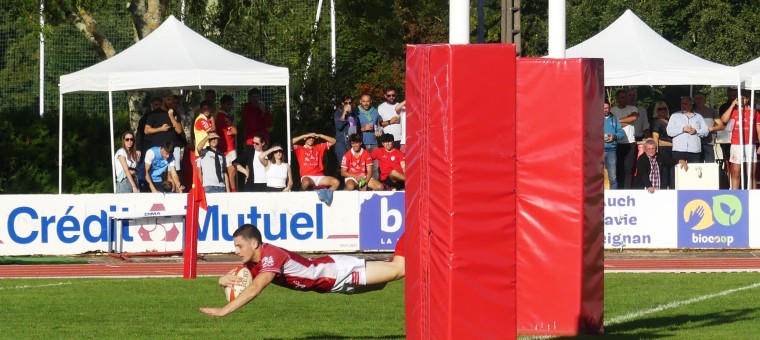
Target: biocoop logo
[{"x": 711, "y": 219}]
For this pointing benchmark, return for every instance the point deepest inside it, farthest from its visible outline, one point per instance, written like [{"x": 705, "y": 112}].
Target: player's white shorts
[
  {"x": 315, "y": 179},
  {"x": 231, "y": 156},
  {"x": 345, "y": 180},
  {"x": 349, "y": 273},
  {"x": 750, "y": 154}
]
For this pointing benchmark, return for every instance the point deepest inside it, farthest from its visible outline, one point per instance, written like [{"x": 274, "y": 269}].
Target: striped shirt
[{"x": 654, "y": 173}]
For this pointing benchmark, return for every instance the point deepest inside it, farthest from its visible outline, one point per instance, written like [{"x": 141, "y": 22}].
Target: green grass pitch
[{"x": 645, "y": 306}]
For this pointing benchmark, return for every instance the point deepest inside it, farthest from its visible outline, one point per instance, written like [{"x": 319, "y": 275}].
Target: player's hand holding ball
[{"x": 235, "y": 281}]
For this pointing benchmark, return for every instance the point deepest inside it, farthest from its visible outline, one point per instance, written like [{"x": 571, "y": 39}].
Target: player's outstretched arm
[
  {"x": 382, "y": 272},
  {"x": 260, "y": 282}
]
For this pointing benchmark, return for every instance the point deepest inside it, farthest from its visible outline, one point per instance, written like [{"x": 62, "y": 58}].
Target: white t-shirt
[
  {"x": 259, "y": 171},
  {"x": 150, "y": 156},
  {"x": 388, "y": 111},
  {"x": 277, "y": 175},
  {"x": 403, "y": 125},
  {"x": 630, "y": 131},
  {"x": 207, "y": 163},
  {"x": 120, "y": 175}
]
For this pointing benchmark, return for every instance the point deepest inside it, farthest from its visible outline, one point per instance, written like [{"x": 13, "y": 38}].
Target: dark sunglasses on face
[
  {"x": 390, "y": 95},
  {"x": 129, "y": 139}
]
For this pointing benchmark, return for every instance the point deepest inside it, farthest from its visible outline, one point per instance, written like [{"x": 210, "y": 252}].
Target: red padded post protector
[
  {"x": 460, "y": 181},
  {"x": 560, "y": 277}
]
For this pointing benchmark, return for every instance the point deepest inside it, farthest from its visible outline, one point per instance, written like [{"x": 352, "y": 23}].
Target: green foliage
[
  {"x": 718, "y": 30},
  {"x": 30, "y": 152},
  {"x": 371, "y": 46}
]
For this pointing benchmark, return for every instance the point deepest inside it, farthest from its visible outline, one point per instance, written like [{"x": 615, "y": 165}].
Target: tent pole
[
  {"x": 332, "y": 36},
  {"x": 741, "y": 134},
  {"x": 60, "y": 144},
  {"x": 42, "y": 58},
  {"x": 287, "y": 112},
  {"x": 751, "y": 130},
  {"x": 110, "y": 116},
  {"x": 313, "y": 36}
]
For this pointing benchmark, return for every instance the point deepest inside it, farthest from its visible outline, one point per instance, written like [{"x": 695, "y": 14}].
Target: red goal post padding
[
  {"x": 560, "y": 274},
  {"x": 460, "y": 200}
]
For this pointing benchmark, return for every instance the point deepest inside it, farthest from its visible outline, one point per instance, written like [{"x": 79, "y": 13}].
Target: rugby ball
[{"x": 232, "y": 292}]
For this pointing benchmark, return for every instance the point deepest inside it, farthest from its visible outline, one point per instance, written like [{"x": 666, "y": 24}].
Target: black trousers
[{"x": 626, "y": 159}]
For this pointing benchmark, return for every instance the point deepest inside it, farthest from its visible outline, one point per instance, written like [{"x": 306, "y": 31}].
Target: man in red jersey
[
  {"x": 356, "y": 167},
  {"x": 392, "y": 163},
  {"x": 226, "y": 128},
  {"x": 310, "y": 156},
  {"x": 744, "y": 148},
  {"x": 256, "y": 117},
  {"x": 326, "y": 274}
]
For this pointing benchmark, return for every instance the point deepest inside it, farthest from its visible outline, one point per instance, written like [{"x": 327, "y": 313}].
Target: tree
[{"x": 145, "y": 15}]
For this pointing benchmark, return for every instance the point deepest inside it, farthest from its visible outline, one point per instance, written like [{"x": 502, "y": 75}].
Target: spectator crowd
[
  {"x": 368, "y": 144},
  {"x": 640, "y": 155}
]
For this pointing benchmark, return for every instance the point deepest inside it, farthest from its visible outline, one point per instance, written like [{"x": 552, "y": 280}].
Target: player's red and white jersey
[
  {"x": 295, "y": 271},
  {"x": 310, "y": 159},
  {"x": 388, "y": 160},
  {"x": 356, "y": 164}
]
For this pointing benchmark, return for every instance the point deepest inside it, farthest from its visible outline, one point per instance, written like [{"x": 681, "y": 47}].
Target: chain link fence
[
  {"x": 281, "y": 33},
  {"x": 277, "y": 34}
]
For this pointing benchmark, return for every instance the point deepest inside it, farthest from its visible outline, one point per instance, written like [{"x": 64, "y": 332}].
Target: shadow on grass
[
  {"x": 322, "y": 336},
  {"x": 668, "y": 326}
]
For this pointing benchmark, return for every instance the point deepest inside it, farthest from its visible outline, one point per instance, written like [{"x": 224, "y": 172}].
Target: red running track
[
  {"x": 112, "y": 270},
  {"x": 683, "y": 265},
  {"x": 219, "y": 268}
]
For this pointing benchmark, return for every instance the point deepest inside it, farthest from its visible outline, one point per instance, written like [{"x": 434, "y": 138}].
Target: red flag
[{"x": 199, "y": 194}]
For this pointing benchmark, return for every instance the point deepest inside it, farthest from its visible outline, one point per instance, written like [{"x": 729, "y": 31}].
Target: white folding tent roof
[
  {"x": 750, "y": 73},
  {"x": 634, "y": 54},
  {"x": 172, "y": 57}
]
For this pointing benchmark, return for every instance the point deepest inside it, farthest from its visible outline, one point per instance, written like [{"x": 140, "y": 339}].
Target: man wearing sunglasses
[
  {"x": 391, "y": 121},
  {"x": 346, "y": 124}
]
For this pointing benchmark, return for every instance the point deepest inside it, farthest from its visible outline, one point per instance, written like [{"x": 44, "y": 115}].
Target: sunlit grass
[{"x": 168, "y": 308}]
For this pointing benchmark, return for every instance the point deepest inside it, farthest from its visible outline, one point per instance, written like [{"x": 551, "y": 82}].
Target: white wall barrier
[
  {"x": 684, "y": 219},
  {"x": 75, "y": 224}
]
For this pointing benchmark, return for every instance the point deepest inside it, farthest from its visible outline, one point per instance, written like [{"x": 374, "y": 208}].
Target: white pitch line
[
  {"x": 37, "y": 286},
  {"x": 676, "y": 304}
]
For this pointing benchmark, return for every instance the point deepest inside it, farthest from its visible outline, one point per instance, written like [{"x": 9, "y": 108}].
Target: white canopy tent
[
  {"x": 172, "y": 57},
  {"x": 634, "y": 54},
  {"x": 750, "y": 73}
]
